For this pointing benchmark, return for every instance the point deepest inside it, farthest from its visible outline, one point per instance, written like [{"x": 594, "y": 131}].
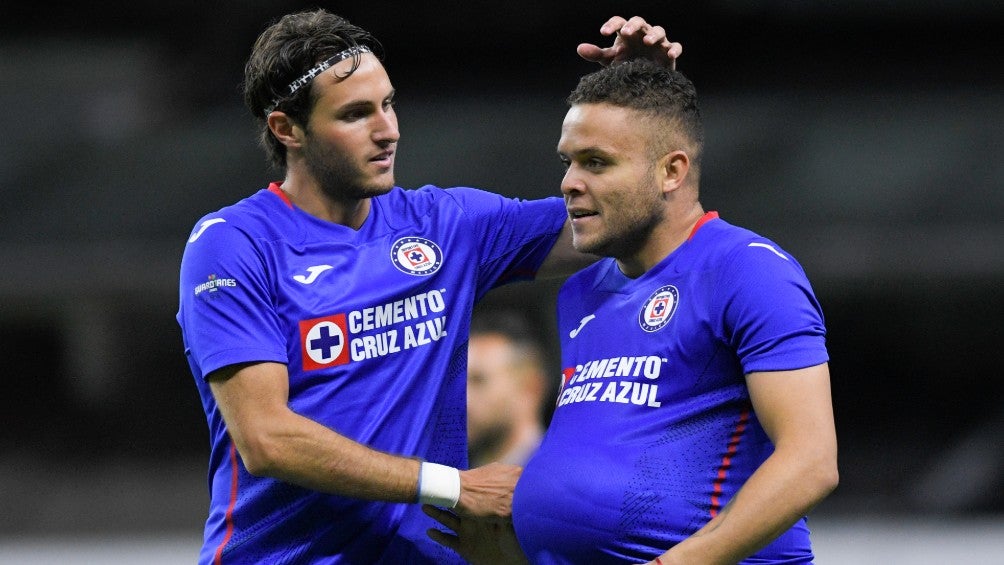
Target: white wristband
[{"x": 438, "y": 485}]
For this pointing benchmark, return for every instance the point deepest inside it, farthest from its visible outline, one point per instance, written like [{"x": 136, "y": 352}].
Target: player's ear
[
  {"x": 285, "y": 129},
  {"x": 672, "y": 169}
]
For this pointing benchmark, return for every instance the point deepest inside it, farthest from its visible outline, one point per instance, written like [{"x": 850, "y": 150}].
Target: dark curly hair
[
  {"x": 654, "y": 91},
  {"x": 282, "y": 53}
]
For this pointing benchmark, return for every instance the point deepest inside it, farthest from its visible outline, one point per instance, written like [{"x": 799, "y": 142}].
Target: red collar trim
[
  {"x": 276, "y": 190},
  {"x": 704, "y": 219}
]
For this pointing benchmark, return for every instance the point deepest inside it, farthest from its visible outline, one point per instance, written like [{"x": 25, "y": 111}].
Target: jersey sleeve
[
  {"x": 514, "y": 235},
  {"x": 771, "y": 316},
  {"x": 226, "y": 310}
]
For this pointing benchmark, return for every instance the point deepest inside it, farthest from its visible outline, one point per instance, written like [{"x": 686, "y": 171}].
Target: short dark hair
[
  {"x": 653, "y": 90},
  {"x": 282, "y": 53},
  {"x": 509, "y": 323},
  {"x": 516, "y": 328}
]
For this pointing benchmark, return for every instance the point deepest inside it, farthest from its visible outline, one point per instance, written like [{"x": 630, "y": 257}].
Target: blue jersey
[
  {"x": 653, "y": 431},
  {"x": 372, "y": 325}
]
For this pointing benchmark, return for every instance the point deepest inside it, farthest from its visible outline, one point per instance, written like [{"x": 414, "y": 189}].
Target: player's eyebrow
[{"x": 365, "y": 104}]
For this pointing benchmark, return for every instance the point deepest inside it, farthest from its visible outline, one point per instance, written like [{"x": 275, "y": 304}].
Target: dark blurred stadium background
[{"x": 866, "y": 137}]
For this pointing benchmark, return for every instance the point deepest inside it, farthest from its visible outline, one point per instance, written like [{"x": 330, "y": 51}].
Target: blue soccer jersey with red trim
[
  {"x": 372, "y": 325},
  {"x": 653, "y": 431}
]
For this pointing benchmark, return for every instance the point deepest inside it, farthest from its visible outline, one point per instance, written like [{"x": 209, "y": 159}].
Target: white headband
[{"x": 316, "y": 70}]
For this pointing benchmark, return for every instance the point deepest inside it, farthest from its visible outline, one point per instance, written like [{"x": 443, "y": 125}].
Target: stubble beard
[
  {"x": 340, "y": 178},
  {"x": 627, "y": 237},
  {"x": 489, "y": 439}
]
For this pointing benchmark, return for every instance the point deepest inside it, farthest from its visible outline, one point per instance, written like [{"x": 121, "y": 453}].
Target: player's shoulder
[
  {"x": 462, "y": 196},
  {"x": 412, "y": 204},
  {"x": 421, "y": 199},
  {"x": 722, "y": 241},
  {"x": 258, "y": 216},
  {"x": 738, "y": 253}
]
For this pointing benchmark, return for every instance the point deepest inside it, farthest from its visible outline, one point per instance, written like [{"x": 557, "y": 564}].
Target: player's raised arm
[{"x": 633, "y": 39}]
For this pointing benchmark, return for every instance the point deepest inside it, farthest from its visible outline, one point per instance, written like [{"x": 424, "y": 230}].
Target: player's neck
[
  {"x": 513, "y": 447},
  {"x": 522, "y": 443},
  {"x": 307, "y": 195},
  {"x": 665, "y": 238}
]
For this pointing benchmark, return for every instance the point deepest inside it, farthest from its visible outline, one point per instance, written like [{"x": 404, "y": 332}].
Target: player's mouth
[
  {"x": 578, "y": 214},
  {"x": 384, "y": 158}
]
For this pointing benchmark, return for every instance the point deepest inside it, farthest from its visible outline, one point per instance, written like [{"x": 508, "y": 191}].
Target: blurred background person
[{"x": 506, "y": 389}]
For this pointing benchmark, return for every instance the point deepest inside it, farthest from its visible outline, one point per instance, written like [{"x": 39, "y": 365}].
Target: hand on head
[{"x": 635, "y": 39}]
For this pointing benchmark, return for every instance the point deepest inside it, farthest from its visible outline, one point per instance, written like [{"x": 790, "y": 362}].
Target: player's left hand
[
  {"x": 480, "y": 542},
  {"x": 634, "y": 39}
]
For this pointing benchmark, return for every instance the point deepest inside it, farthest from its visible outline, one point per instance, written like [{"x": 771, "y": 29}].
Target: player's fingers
[
  {"x": 591, "y": 52},
  {"x": 675, "y": 50},
  {"x": 635, "y": 25},
  {"x": 448, "y": 519},
  {"x": 613, "y": 25},
  {"x": 655, "y": 35},
  {"x": 444, "y": 539}
]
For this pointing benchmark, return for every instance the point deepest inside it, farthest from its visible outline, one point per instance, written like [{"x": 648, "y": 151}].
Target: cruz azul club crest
[
  {"x": 416, "y": 256},
  {"x": 324, "y": 342},
  {"x": 659, "y": 308}
]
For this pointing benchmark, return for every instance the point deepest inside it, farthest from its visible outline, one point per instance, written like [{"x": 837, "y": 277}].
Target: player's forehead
[
  {"x": 490, "y": 348},
  {"x": 367, "y": 82},
  {"x": 489, "y": 341},
  {"x": 602, "y": 128}
]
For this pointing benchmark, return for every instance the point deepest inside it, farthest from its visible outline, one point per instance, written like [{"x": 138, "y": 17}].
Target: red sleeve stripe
[
  {"x": 723, "y": 469},
  {"x": 218, "y": 560}
]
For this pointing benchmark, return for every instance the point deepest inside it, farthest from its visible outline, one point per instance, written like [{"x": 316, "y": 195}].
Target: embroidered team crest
[
  {"x": 416, "y": 256},
  {"x": 324, "y": 342},
  {"x": 659, "y": 308}
]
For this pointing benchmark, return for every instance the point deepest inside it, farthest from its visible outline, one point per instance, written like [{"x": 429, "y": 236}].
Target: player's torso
[
  {"x": 650, "y": 395},
  {"x": 372, "y": 321}
]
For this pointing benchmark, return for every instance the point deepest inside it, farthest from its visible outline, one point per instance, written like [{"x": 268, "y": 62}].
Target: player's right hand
[{"x": 634, "y": 39}]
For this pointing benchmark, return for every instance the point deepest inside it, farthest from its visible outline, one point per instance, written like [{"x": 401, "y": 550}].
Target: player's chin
[
  {"x": 380, "y": 185},
  {"x": 384, "y": 181},
  {"x": 592, "y": 245},
  {"x": 582, "y": 242}
]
